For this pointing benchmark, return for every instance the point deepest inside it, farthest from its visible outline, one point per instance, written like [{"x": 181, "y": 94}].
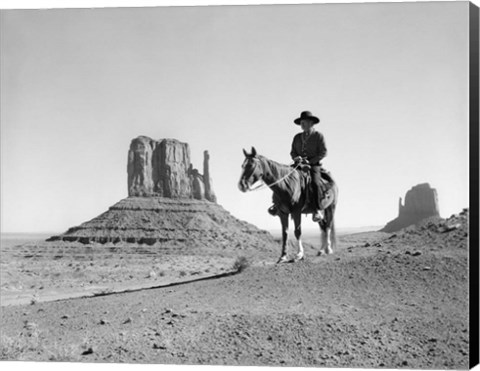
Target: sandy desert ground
[{"x": 381, "y": 300}]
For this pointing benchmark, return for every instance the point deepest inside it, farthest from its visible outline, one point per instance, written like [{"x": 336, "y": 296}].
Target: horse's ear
[
  {"x": 245, "y": 153},
  {"x": 254, "y": 152}
]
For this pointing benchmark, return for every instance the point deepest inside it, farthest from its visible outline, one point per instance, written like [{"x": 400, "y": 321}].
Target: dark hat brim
[{"x": 313, "y": 119}]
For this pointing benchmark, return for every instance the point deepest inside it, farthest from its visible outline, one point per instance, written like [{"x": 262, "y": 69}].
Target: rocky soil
[{"x": 381, "y": 300}]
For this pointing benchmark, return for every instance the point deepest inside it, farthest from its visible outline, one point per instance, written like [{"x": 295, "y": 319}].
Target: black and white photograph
[{"x": 280, "y": 185}]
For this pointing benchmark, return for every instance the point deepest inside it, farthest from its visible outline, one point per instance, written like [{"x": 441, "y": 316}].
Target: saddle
[{"x": 326, "y": 183}]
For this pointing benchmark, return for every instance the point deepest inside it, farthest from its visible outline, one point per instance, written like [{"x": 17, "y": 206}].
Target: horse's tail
[{"x": 333, "y": 206}]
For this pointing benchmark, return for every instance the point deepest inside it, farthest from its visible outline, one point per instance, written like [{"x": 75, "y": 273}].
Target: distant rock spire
[{"x": 209, "y": 194}]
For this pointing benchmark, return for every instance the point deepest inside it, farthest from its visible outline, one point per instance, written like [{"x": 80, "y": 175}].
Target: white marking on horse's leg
[
  {"x": 300, "y": 253},
  {"x": 283, "y": 257},
  {"x": 297, "y": 220},
  {"x": 328, "y": 247},
  {"x": 323, "y": 241}
]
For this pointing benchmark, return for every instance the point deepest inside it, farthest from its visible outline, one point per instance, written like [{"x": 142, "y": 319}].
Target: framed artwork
[{"x": 281, "y": 185}]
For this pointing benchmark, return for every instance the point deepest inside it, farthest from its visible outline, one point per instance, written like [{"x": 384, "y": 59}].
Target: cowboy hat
[{"x": 307, "y": 115}]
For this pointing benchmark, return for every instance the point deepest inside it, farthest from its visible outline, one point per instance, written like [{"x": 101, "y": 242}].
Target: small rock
[
  {"x": 449, "y": 228},
  {"x": 103, "y": 322},
  {"x": 30, "y": 325},
  {"x": 367, "y": 245},
  {"x": 405, "y": 363},
  {"x": 65, "y": 317},
  {"x": 144, "y": 310},
  {"x": 128, "y": 320},
  {"x": 432, "y": 340},
  {"x": 152, "y": 274},
  {"x": 427, "y": 268},
  {"x": 416, "y": 253},
  {"x": 159, "y": 346},
  {"x": 88, "y": 351}
]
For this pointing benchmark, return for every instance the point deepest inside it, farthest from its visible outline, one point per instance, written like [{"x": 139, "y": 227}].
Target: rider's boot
[{"x": 272, "y": 210}]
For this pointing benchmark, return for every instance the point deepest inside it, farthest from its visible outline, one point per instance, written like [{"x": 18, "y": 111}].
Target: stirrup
[{"x": 317, "y": 217}]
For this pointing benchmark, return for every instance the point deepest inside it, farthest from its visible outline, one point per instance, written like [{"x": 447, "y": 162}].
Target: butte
[{"x": 170, "y": 204}]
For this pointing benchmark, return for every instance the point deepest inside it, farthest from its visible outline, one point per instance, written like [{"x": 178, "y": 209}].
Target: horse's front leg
[
  {"x": 284, "y": 220},
  {"x": 297, "y": 220}
]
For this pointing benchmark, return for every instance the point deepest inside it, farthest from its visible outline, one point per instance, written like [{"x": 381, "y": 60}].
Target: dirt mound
[
  {"x": 359, "y": 308},
  {"x": 436, "y": 231}
]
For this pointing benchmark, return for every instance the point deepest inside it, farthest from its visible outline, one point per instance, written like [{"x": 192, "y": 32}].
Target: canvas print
[{"x": 258, "y": 185}]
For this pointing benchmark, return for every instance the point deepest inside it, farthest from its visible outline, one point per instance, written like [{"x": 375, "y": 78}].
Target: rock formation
[
  {"x": 170, "y": 205},
  {"x": 168, "y": 222},
  {"x": 421, "y": 202},
  {"x": 209, "y": 194},
  {"x": 163, "y": 169}
]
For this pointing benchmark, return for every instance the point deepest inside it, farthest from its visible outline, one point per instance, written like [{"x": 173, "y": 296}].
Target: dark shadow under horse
[{"x": 292, "y": 194}]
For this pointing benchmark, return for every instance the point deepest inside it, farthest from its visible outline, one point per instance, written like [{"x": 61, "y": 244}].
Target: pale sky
[{"x": 388, "y": 81}]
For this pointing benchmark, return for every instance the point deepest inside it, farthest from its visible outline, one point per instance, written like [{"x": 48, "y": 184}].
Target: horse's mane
[
  {"x": 291, "y": 182},
  {"x": 276, "y": 169}
]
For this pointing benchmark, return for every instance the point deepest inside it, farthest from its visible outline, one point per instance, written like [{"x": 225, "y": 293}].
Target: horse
[{"x": 291, "y": 194}]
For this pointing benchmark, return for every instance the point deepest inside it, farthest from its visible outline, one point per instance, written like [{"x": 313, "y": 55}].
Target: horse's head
[{"x": 252, "y": 171}]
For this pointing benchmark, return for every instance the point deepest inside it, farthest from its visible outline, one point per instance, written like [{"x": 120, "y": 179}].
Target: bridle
[{"x": 264, "y": 185}]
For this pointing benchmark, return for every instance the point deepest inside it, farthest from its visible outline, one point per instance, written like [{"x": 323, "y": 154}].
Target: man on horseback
[{"x": 308, "y": 147}]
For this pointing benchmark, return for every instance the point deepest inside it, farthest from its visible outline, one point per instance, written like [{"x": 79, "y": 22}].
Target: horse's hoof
[
  {"x": 299, "y": 258},
  {"x": 320, "y": 253},
  {"x": 283, "y": 259}
]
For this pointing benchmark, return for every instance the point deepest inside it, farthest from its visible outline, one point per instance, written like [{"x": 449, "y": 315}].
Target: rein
[{"x": 264, "y": 185}]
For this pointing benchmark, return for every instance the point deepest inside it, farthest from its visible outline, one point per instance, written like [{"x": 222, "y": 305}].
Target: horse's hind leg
[
  {"x": 284, "y": 220},
  {"x": 297, "y": 220},
  {"x": 326, "y": 226},
  {"x": 323, "y": 238}
]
